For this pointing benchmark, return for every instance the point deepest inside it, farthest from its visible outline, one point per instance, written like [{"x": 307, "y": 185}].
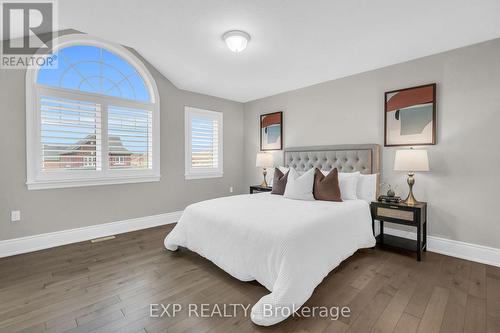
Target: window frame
[
  {"x": 36, "y": 177},
  {"x": 208, "y": 172}
]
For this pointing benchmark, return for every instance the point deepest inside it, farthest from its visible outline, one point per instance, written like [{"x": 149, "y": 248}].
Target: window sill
[
  {"x": 203, "y": 175},
  {"x": 51, "y": 184}
]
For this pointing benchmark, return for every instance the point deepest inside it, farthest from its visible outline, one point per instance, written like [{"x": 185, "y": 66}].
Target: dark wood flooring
[{"x": 108, "y": 286}]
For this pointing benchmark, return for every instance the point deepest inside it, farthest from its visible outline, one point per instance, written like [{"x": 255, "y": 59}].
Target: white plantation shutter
[
  {"x": 70, "y": 134},
  {"x": 130, "y": 139},
  {"x": 203, "y": 143}
]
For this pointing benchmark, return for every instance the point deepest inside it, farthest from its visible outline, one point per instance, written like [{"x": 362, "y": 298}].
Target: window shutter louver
[
  {"x": 205, "y": 143},
  {"x": 70, "y": 134}
]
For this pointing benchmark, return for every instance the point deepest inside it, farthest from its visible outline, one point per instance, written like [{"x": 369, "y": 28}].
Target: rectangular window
[
  {"x": 89, "y": 162},
  {"x": 86, "y": 140},
  {"x": 203, "y": 141}
]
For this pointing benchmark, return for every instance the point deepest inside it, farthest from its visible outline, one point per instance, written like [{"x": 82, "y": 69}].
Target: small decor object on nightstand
[
  {"x": 411, "y": 160},
  {"x": 390, "y": 192},
  {"x": 389, "y": 198},
  {"x": 264, "y": 160},
  {"x": 259, "y": 189}
]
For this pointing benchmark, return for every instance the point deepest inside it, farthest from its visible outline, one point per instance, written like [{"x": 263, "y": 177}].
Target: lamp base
[
  {"x": 410, "y": 199},
  {"x": 264, "y": 182}
]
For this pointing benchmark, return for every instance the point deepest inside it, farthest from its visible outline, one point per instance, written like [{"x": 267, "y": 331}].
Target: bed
[{"x": 288, "y": 246}]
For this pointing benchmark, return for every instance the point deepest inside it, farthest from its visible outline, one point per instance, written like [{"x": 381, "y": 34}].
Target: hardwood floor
[{"x": 109, "y": 286}]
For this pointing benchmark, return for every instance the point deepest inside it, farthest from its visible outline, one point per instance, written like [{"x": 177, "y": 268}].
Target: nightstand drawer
[{"x": 395, "y": 213}]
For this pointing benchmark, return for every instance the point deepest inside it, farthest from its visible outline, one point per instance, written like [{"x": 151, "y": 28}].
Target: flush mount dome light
[{"x": 236, "y": 40}]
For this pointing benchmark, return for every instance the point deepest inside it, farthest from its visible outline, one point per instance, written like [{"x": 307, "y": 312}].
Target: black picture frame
[
  {"x": 262, "y": 116},
  {"x": 434, "y": 116}
]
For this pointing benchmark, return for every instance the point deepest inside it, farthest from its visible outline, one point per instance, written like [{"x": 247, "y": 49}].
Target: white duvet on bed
[{"x": 287, "y": 245}]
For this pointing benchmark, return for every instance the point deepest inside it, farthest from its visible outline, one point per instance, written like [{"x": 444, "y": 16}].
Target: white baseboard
[
  {"x": 15, "y": 246},
  {"x": 473, "y": 252},
  {"x": 10, "y": 247}
]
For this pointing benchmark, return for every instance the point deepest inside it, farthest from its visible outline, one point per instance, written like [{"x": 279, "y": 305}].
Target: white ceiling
[{"x": 294, "y": 43}]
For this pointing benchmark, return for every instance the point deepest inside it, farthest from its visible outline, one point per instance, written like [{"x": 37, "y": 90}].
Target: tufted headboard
[{"x": 364, "y": 158}]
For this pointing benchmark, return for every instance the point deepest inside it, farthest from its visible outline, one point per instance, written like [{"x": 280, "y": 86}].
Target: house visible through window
[
  {"x": 203, "y": 130},
  {"x": 97, "y": 118},
  {"x": 89, "y": 161},
  {"x": 119, "y": 161}
]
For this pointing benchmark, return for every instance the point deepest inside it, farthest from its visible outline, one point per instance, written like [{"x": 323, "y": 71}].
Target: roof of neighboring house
[{"x": 118, "y": 147}]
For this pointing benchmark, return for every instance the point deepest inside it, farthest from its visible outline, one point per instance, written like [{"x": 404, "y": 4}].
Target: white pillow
[
  {"x": 348, "y": 183},
  {"x": 283, "y": 169},
  {"x": 299, "y": 187},
  {"x": 367, "y": 187}
]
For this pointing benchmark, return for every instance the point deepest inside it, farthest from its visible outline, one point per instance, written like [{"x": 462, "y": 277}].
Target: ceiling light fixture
[{"x": 236, "y": 40}]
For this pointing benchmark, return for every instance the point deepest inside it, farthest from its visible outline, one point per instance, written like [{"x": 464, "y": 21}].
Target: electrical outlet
[
  {"x": 15, "y": 216},
  {"x": 231, "y": 189}
]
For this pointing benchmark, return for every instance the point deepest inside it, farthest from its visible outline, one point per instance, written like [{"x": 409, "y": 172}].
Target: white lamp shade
[
  {"x": 264, "y": 160},
  {"x": 411, "y": 160}
]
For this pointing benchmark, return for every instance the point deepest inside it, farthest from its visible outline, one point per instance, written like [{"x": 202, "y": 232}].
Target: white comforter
[{"x": 287, "y": 245}]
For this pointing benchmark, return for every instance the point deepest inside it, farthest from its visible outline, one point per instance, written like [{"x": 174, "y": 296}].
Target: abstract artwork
[
  {"x": 271, "y": 131},
  {"x": 410, "y": 116}
]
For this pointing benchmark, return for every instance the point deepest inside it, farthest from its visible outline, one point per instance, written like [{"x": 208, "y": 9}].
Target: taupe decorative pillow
[
  {"x": 279, "y": 182},
  {"x": 327, "y": 187}
]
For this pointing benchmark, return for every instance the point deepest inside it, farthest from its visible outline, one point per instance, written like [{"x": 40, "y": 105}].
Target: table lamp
[
  {"x": 264, "y": 160},
  {"x": 411, "y": 160}
]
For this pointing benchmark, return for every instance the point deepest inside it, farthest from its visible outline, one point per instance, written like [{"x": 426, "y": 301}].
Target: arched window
[{"x": 93, "y": 119}]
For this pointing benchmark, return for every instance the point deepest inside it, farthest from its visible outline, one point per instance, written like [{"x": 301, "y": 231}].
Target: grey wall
[
  {"x": 463, "y": 185},
  {"x": 58, "y": 209}
]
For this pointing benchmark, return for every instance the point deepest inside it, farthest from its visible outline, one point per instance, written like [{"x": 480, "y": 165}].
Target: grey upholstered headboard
[{"x": 364, "y": 158}]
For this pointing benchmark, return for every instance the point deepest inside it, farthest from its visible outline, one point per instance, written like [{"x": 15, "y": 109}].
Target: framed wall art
[
  {"x": 271, "y": 131},
  {"x": 410, "y": 116}
]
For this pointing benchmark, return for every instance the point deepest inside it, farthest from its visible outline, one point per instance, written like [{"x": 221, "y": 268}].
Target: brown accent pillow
[
  {"x": 327, "y": 187},
  {"x": 279, "y": 182}
]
